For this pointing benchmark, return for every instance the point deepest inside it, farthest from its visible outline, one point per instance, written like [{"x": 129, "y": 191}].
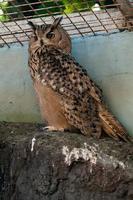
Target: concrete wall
[{"x": 108, "y": 59}]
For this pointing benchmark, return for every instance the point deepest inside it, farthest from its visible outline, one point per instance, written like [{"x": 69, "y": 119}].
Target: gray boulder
[{"x": 62, "y": 166}]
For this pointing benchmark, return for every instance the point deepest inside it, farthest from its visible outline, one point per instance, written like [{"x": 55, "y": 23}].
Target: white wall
[{"x": 108, "y": 59}]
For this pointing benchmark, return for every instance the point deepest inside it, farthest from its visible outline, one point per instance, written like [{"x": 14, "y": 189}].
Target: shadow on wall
[{"x": 108, "y": 60}]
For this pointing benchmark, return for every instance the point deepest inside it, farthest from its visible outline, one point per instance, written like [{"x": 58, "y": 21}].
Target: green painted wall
[{"x": 108, "y": 59}]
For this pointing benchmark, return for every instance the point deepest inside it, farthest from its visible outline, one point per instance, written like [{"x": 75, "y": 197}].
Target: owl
[{"x": 69, "y": 99}]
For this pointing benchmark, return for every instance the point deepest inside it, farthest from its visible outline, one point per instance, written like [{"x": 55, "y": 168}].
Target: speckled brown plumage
[{"x": 68, "y": 97}]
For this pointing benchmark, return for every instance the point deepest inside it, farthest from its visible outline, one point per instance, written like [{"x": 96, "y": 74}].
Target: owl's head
[{"x": 49, "y": 34}]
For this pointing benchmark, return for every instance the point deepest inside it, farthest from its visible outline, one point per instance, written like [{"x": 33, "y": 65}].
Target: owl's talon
[{"x": 52, "y": 128}]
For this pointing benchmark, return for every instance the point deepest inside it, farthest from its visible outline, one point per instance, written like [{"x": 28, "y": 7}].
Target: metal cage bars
[{"x": 84, "y": 20}]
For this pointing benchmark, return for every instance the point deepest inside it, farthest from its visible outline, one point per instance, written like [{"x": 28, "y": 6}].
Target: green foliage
[
  {"x": 49, "y": 7},
  {"x": 45, "y": 8},
  {"x": 74, "y": 5},
  {"x": 3, "y": 8}
]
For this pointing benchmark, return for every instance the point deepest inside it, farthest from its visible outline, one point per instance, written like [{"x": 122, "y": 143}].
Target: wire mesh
[{"x": 86, "y": 17}]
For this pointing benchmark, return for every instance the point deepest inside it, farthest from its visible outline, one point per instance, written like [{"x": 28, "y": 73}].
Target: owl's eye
[{"x": 50, "y": 35}]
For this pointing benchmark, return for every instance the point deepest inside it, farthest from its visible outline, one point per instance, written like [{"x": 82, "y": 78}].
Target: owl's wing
[
  {"x": 77, "y": 91},
  {"x": 65, "y": 76},
  {"x": 81, "y": 98}
]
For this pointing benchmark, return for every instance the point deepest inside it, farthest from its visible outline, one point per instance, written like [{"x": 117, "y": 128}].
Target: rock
[{"x": 62, "y": 166}]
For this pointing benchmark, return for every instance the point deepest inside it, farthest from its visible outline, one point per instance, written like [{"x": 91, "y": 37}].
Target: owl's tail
[{"x": 112, "y": 126}]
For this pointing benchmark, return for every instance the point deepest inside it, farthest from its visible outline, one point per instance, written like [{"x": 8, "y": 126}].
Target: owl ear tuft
[
  {"x": 56, "y": 22},
  {"x": 32, "y": 25}
]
